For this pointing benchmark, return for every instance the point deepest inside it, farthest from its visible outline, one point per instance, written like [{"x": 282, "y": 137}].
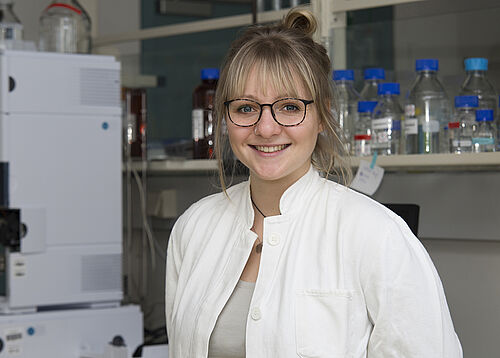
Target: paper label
[
  {"x": 367, "y": 179},
  {"x": 461, "y": 143},
  {"x": 431, "y": 126},
  {"x": 411, "y": 126},
  {"x": 197, "y": 119},
  {"x": 410, "y": 110},
  {"x": 382, "y": 123},
  {"x": 483, "y": 141}
]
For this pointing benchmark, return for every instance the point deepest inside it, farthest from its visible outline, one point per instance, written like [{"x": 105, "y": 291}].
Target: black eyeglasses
[{"x": 287, "y": 112}]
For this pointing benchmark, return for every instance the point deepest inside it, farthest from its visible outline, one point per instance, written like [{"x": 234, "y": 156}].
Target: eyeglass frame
[{"x": 262, "y": 105}]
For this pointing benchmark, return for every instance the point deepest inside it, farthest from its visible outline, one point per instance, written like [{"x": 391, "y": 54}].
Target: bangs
[{"x": 275, "y": 71}]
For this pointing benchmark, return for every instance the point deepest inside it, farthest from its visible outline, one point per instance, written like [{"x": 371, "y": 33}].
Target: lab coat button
[
  {"x": 256, "y": 314},
  {"x": 274, "y": 239}
]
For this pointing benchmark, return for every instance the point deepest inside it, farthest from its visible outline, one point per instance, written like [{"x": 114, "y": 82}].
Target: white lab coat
[{"x": 340, "y": 276}]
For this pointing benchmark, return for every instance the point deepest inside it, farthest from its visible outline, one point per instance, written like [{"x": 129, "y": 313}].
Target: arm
[
  {"x": 405, "y": 299},
  {"x": 173, "y": 263}
]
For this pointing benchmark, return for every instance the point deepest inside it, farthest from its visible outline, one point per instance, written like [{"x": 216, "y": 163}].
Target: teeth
[{"x": 270, "y": 149}]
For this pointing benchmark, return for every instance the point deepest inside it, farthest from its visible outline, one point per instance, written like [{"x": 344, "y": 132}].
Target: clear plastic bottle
[
  {"x": 202, "y": 119},
  {"x": 484, "y": 135},
  {"x": 363, "y": 128},
  {"x": 65, "y": 27},
  {"x": 427, "y": 111},
  {"x": 462, "y": 126},
  {"x": 347, "y": 101},
  {"x": 11, "y": 28},
  {"x": 477, "y": 84},
  {"x": 373, "y": 76},
  {"x": 386, "y": 121}
]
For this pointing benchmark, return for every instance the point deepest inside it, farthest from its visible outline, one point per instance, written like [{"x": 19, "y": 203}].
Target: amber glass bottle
[{"x": 202, "y": 120}]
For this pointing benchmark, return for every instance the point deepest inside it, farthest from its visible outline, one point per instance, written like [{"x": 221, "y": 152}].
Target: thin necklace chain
[
  {"x": 258, "y": 247},
  {"x": 256, "y": 207}
]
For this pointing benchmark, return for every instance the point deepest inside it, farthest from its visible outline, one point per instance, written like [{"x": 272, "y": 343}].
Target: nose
[{"x": 267, "y": 126}]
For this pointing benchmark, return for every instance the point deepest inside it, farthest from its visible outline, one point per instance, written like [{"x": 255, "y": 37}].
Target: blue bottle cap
[
  {"x": 466, "y": 101},
  {"x": 388, "y": 88},
  {"x": 396, "y": 125},
  {"x": 484, "y": 115},
  {"x": 427, "y": 64},
  {"x": 366, "y": 106},
  {"x": 346, "y": 75},
  {"x": 374, "y": 74},
  {"x": 476, "y": 64},
  {"x": 210, "y": 74}
]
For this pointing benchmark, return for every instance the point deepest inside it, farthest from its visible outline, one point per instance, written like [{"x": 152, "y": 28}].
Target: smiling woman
[{"x": 289, "y": 263}]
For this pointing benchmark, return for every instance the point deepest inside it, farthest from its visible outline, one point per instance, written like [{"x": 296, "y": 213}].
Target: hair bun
[{"x": 302, "y": 20}]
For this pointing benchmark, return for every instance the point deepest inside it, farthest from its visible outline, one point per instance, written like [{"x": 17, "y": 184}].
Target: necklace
[{"x": 258, "y": 247}]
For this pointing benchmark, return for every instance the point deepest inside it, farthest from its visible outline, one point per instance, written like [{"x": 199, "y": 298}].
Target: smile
[{"x": 270, "y": 149}]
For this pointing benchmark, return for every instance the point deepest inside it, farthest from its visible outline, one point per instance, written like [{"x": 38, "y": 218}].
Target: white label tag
[
  {"x": 411, "y": 126},
  {"x": 197, "y": 119},
  {"x": 382, "y": 123},
  {"x": 462, "y": 143},
  {"x": 367, "y": 180},
  {"x": 410, "y": 110},
  {"x": 431, "y": 126}
]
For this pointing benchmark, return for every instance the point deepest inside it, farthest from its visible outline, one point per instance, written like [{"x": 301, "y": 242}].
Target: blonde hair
[{"x": 281, "y": 52}]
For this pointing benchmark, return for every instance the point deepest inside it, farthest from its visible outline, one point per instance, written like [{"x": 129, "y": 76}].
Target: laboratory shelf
[
  {"x": 436, "y": 162},
  {"x": 417, "y": 163}
]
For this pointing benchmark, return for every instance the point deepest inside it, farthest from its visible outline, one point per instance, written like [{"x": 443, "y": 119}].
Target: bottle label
[
  {"x": 431, "y": 126},
  {"x": 410, "y": 110},
  {"x": 411, "y": 126},
  {"x": 197, "y": 120},
  {"x": 483, "y": 141},
  {"x": 461, "y": 143},
  {"x": 382, "y": 123}
]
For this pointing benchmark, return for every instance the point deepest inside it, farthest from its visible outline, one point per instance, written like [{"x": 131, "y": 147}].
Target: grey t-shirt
[{"x": 228, "y": 337}]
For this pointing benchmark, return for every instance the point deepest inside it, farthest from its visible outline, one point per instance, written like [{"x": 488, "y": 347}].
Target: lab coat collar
[{"x": 292, "y": 199}]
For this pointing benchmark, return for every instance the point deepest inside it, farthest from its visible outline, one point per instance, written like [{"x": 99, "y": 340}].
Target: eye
[
  {"x": 245, "y": 109},
  {"x": 290, "y": 107}
]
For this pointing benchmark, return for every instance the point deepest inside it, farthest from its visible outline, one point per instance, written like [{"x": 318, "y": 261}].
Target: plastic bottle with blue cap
[
  {"x": 373, "y": 76},
  {"x": 347, "y": 103},
  {"x": 427, "y": 111},
  {"x": 363, "y": 128},
  {"x": 461, "y": 127},
  {"x": 476, "y": 83},
  {"x": 484, "y": 136},
  {"x": 386, "y": 121},
  {"x": 203, "y": 129}
]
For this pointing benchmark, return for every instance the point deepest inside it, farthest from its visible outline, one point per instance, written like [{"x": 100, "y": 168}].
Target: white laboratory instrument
[{"x": 60, "y": 165}]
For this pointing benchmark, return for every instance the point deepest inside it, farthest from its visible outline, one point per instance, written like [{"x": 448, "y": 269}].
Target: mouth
[{"x": 270, "y": 148}]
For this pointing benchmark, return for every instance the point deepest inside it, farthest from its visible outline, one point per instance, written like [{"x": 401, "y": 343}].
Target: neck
[{"x": 266, "y": 194}]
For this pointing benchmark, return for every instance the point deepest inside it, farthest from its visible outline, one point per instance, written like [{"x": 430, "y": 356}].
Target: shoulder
[
  {"x": 353, "y": 206},
  {"x": 363, "y": 220},
  {"x": 207, "y": 210}
]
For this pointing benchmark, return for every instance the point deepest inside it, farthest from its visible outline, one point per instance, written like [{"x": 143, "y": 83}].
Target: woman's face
[{"x": 270, "y": 151}]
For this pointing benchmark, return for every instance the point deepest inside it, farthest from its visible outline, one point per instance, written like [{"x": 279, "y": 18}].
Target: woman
[{"x": 290, "y": 264}]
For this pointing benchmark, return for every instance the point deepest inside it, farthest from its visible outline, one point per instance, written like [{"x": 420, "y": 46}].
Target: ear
[{"x": 321, "y": 127}]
